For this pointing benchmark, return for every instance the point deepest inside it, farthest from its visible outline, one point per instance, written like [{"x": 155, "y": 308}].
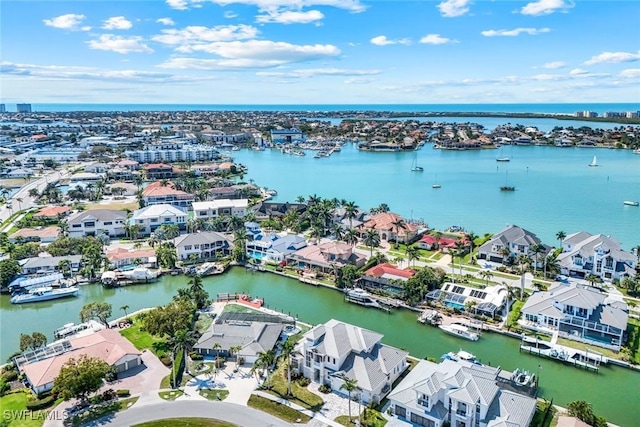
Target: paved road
[{"x": 236, "y": 414}]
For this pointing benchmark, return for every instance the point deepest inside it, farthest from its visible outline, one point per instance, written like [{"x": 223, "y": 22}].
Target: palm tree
[
  {"x": 350, "y": 386},
  {"x": 581, "y": 410},
  {"x": 182, "y": 340},
  {"x": 300, "y": 199},
  {"x": 471, "y": 237},
  {"x": 125, "y": 308},
  {"x": 195, "y": 285},
  {"x": 65, "y": 266},
  {"x": 413, "y": 253},
  {"x": 593, "y": 279},
  {"x": 383, "y": 208},
  {"x": 19, "y": 200},
  {"x": 350, "y": 237},
  {"x": 34, "y": 193},
  {"x": 371, "y": 239},
  {"x": 288, "y": 349},
  {"x": 460, "y": 250},
  {"x": 536, "y": 249},
  {"x": 235, "y": 350},
  {"x": 350, "y": 212},
  {"x": 397, "y": 225},
  {"x": 560, "y": 235},
  {"x": 486, "y": 274},
  {"x": 510, "y": 296},
  {"x": 265, "y": 360}
]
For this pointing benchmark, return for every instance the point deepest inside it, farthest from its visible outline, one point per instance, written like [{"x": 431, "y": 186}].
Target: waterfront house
[
  {"x": 335, "y": 351},
  {"x": 90, "y": 223},
  {"x": 578, "y": 312},
  {"x": 390, "y": 227},
  {"x": 41, "y": 264},
  {"x": 39, "y": 234},
  {"x": 159, "y": 194},
  {"x": 386, "y": 277},
  {"x": 430, "y": 242},
  {"x": 155, "y": 171},
  {"x": 42, "y": 366},
  {"x": 272, "y": 247},
  {"x": 99, "y": 168},
  {"x": 118, "y": 173},
  {"x": 486, "y": 301},
  {"x": 220, "y": 207},
  {"x": 84, "y": 179},
  {"x": 269, "y": 210},
  {"x": 252, "y": 337},
  {"x": 122, "y": 257},
  {"x": 287, "y": 136},
  {"x": 152, "y": 217},
  {"x": 510, "y": 243},
  {"x": 584, "y": 254},
  {"x": 325, "y": 256},
  {"x": 459, "y": 394},
  {"x": 203, "y": 245},
  {"x": 340, "y": 217},
  {"x": 129, "y": 164}
]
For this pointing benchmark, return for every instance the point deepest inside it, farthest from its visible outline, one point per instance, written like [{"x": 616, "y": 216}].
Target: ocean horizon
[{"x": 532, "y": 108}]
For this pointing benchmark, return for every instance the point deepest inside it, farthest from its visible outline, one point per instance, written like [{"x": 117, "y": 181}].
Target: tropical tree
[
  {"x": 34, "y": 193},
  {"x": 350, "y": 212},
  {"x": 593, "y": 279},
  {"x": 125, "y": 308},
  {"x": 511, "y": 295},
  {"x": 183, "y": 339},
  {"x": 96, "y": 310},
  {"x": 413, "y": 253},
  {"x": 536, "y": 250},
  {"x": 64, "y": 265},
  {"x": 350, "y": 236},
  {"x": 167, "y": 256},
  {"x": 196, "y": 290},
  {"x": 582, "y": 410},
  {"x": 288, "y": 350},
  {"x": 383, "y": 208},
  {"x": 349, "y": 385},
  {"x": 371, "y": 239},
  {"x": 398, "y": 224},
  {"x": 80, "y": 377},
  {"x": 460, "y": 251},
  {"x": 487, "y": 275},
  {"x": 561, "y": 235},
  {"x": 235, "y": 350},
  {"x": 265, "y": 360},
  {"x": 471, "y": 239}
]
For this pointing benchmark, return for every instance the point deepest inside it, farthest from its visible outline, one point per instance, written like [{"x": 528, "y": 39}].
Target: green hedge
[
  {"x": 35, "y": 405},
  {"x": 177, "y": 369},
  {"x": 122, "y": 393},
  {"x": 10, "y": 376}
]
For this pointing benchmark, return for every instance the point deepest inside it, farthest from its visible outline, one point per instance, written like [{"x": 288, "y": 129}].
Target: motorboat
[
  {"x": 461, "y": 331},
  {"x": 431, "y": 317},
  {"x": 140, "y": 274},
  {"x": 631, "y": 203},
  {"x": 503, "y": 159},
  {"x": 44, "y": 293},
  {"x": 362, "y": 297},
  {"x": 23, "y": 283},
  {"x": 461, "y": 355},
  {"x": 523, "y": 378}
]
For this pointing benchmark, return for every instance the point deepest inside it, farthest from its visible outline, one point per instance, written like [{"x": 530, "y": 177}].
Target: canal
[{"x": 612, "y": 391}]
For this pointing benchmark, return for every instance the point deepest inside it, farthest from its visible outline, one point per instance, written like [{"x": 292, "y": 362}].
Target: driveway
[{"x": 235, "y": 414}]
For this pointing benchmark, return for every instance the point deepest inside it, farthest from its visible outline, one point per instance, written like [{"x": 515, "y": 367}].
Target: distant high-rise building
[
  {"x": 23, "y": 108},
  {"x": 3, "y": 109}
]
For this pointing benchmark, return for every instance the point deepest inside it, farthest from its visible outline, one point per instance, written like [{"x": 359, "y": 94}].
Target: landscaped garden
[{"x": 277, "y": 409}]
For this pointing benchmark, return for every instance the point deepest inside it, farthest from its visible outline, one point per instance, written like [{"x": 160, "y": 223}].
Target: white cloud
[
  {"x": 453, "y": 8},
  {"x": 553, "y": 65},
  {"x": 312, "y": 72},
  {"x": 187, "y": 38},
  {"x": 290, "y": 17},
  {"x": 117, "y": 23},
  {"x": 630, "y": 73},
  {"x": 229, "y": 14},
  {"x": 269, "y": 5},
  {"x": 578, "y": 72},
  {"x": 545, "y": 7},
  {"x": 178, "y": 4},
  {"x": 515, "y": 32},
  {"x": 436, "y": 39},
  {"x": 613, "y": 58},
  {"x": 70, "y": 21},
  {"x": 165, "y": 21},
  {"x": 120, "y": 44},
  {"x": 252, "y": 54},
  {"x": 384, "y": 41},
  {"x": 357, "y": 81}
]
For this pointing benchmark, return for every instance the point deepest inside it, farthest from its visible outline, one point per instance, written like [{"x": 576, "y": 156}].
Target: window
[
  {"x": 421, "y": 421},
  {"x": 187, "y": 247},
  {"x": 153, "y": 220},
  {"x": 609, "y": 263},
  {"x": 108, "y": 222},
  {"x": 76, "y": 226},
  {"x": 423, "y": 400},
  {"x": 308, "y": 359},
  {"x": 90, "y": 224},
  {"x": 401, "y": 411},
  {"x": 599, "y": 266},
  {"x": 462, "y": 409}
]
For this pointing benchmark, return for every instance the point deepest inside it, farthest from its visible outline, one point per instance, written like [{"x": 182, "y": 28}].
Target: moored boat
[
  {"x": 140, "y": 274},
  {"x": 631, "y": 203},
  {"x": 461, "y": 355},
  {"x": 461, "y": 331},
  {"x": 44, "y": 293},
  {"x": 362, "y": 297}
]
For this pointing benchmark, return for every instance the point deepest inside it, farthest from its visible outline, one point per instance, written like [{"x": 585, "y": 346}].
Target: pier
[{"x": 589, "y": 360}]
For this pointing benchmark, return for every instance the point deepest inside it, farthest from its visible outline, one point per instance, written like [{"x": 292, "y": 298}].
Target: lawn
[
  {"x": 238, "y": 308},
  {"x": 117, "y": 205},
  {"x": 204, "y": 322},
  {"x": 301, "y": 395},
  {"x": 214, "y": 394},
  {"x": 170, "y": 395},
  {"x": 139, "y": 338},
  {"x": 12, "y": 407},
  {"x": 186, "y": 422},
  {"x": 370, "y": 417},
  {"x": 277, "y": 409},
  {"x": 102, "y": 411},
  {"x": 166, "y": 381}
]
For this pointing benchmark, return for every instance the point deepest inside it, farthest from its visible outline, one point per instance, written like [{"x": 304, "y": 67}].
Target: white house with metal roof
[
  {"x": 274, "y": 247},
  {"x": 111, "y": 222},
  {"x": 516, "y": 240},
  {"x": 578, "y": 312},
  {"x": 151, "y": 217},
  {"x": 460, "y": 394},
  {"x": 204, "y": 245},
  {"x": 335, "y": 351},
  {"x": 220, "y": 207},
  {"x": 584, "y": 254}
]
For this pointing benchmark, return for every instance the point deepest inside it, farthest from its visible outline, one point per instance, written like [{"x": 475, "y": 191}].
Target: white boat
[
  {"x": 362, "y": 297},
  {"x": 523, "y": 378},
  {"x": 435, "y": 184},
  {"x": 636, "y": 151},
  {"x": 461, "y": 331},
  {"x": 503, "y": 159},
  {"x": 140, "y": 274},
  {"x": 414, "y": 165},
  {"x": 594, "y": 162},
  {"x": 461, "y": 355},
  {"x": 32, "y": 282},
  {"x": 44, "y": 293},
  {"x": 631, "y": 203}
]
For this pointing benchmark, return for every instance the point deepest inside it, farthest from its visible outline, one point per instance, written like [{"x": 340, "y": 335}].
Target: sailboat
[
  {"x": 435, "y": 183},
  {"x": 506, "y": 187},
  {"x": 502, "y": 158},
  {"x": 594, "y": 162},
  {"x": 414, "y": 166}
]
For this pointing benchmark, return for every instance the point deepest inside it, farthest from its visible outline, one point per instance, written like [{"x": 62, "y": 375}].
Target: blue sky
[{"x": 319, "y": 51}]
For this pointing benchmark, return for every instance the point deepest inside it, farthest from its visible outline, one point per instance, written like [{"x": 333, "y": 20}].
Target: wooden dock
[{"x": 590, "y": 360}]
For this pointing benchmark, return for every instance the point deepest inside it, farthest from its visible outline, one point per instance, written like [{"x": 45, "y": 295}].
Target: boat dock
[
  {"x": 431, "y": 317},
  {"x": 582, "y": 358}
]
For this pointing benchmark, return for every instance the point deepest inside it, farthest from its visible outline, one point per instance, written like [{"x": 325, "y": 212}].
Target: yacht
[
  {"x": 461, "y": 355},
  {"x": 362, "y": 297},
  {"x": 140, "y": 274},
  {"x": 631, "y": 203},
  {"x": 44, "y": 293},
  {"x": 461, "y": 331}
]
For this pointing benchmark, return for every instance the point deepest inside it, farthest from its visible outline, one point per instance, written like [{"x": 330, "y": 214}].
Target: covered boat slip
[{"x": 587, "y": 359}]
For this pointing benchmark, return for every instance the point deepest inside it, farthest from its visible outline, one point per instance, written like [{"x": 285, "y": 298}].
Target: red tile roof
[
  {"x": 385, "y": 220},
  {"x": 118, "y": 254},
  {"x": 52, "y": 211},
  {"x": 156, "y": 189},
  {"x": 157, "y": 166},
  {"x": 386, "y": 268}
]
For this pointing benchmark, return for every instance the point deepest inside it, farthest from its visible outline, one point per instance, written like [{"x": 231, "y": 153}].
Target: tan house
[
  {"x": 390, "y": 227},
  {"x": 120, "y": 257},
  {"x": 325, "y": 256},
  {"x": 39, "y": 234},
  {"x": 107, "y": 345}
]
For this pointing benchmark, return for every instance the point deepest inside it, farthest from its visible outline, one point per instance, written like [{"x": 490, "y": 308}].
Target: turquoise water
[{"x": 555, "y": 189}]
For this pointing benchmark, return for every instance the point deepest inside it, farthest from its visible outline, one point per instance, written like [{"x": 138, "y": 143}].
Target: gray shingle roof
[
  {"x": 253, "y": 337},
  {"x": 97, "y": 214},
  {"x": 512, "y": 409},
  {"x": 200, "y": 238}
]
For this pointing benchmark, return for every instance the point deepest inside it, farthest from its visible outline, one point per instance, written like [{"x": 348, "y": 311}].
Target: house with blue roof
[{"x": 272, "y": 247}]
